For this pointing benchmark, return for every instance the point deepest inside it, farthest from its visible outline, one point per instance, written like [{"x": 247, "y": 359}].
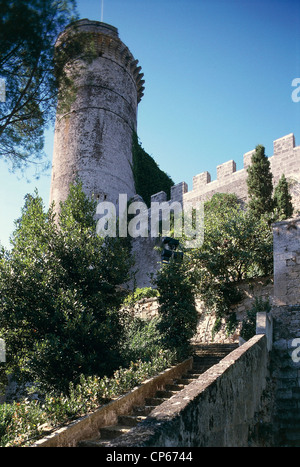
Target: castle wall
[{"x": 285, "y": 160}]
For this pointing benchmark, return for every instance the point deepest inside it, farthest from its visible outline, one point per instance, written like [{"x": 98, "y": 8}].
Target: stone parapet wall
[
  {"x": 220, "y": 408},
  {"x": 285, "y": 160},
  {"x": 88, "y": 426}
]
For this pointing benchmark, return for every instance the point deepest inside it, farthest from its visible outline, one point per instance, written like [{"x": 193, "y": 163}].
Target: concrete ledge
[
  {"x": 87, "y": 427},
  {"x": 215, "y": 410}
]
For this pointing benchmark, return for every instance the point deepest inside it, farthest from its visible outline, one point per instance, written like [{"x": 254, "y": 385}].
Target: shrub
[
  {"x": 23, "y": 422},
  {"x": 139, "y": 294},
  {"x": 237, "y": 246},
  {"x": 59, "y": 308},
  {"x": 142, "y": 339},
  {"x": 177, "y": 310}
]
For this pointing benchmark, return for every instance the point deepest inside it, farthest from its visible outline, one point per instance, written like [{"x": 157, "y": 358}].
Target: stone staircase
[
  {"x": 205, "y": 356},
  {"x": 287, "y": 416}
]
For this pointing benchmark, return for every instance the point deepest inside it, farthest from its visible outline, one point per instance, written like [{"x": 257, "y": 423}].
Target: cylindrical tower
[{"x": 93, "y": 139}]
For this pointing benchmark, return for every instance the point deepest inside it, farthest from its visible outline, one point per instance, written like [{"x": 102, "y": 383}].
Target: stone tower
[{"x": 93, "y": 139}]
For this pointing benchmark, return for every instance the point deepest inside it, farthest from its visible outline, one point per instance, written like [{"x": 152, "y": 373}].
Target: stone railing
[
  {"x": 88, "y": 426},
  {"x": 218, "y": 409},
  {"x": 264, "y": 325}
]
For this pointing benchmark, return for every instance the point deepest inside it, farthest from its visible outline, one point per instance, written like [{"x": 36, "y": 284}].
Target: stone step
[
  {"x": 205, "y": 357},
  {"x": 130, "y": 420},
  {"x": 143, "y": 410},
  {"x": 164, "y": 394},
  {"x": 296, "y": 393},
  {"x": 190, "y": 376},
  {"x": 204, "y": 362},
  {"x": 174, "y": 387},
  {"x": 96, "y": 443},
  {"x": 291, "y": 444},
  {"x": 186, "y": 381},
  {"x": 113, "y": 431},
  {"x": 288, "y": 414},
  {"x": 286, "y": 425},
  {"x": 198, "y": 371},
  {"x": 285, "y": 407},
  {"x": 293, "y": 435},
  {"x": 155, "y": 401}
]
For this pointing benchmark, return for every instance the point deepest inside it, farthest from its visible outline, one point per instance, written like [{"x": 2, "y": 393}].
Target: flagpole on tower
[{"x": 102, "y": 7}]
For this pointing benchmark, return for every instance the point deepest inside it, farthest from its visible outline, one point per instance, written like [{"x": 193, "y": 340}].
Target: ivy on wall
[{"x": 148, "y": 177}]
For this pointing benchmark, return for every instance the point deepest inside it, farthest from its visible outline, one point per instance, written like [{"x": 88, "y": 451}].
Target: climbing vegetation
[{"x": 148, "y": 177}]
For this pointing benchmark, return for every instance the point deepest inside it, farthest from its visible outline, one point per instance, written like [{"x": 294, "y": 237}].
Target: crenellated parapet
[
  {"x": 285, "y": 160},
  {"x": 108, "y": 45}
]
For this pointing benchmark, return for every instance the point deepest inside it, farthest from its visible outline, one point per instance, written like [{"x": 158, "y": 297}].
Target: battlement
[
  {"x": 108, "y": 44},
  {"x": 285, "y": 160},
  {"x": 284, "y": 145}
]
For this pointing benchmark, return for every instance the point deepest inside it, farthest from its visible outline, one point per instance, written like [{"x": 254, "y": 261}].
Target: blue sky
[{"x": 218, "y": 78}]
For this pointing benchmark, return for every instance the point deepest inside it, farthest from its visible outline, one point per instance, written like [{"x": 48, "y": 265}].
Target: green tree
[
  {"x": 259, "y": 182},
  {"x": 237, "y": 246},
  {"x": 177, "y": 310},
  {"x": 282, "y": 200},
  {"x": 28, "y": 30},
  {"x": 59, "y": 296}
]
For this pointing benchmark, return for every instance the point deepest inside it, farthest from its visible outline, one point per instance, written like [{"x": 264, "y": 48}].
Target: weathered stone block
[
  {"x": 226, "y": 169},
  {"x": 201, "y": 180}
]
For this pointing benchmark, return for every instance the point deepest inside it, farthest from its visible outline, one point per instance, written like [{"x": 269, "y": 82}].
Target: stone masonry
[
  {"x": 285, "y": 160},
  {"x": 286, "y": 262},
  {"x": 148, "y": 308},
  {"x": 218, "y": 409},
  {"x": 286, "y": 317},
  {"x": 93, "y": 140}
]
